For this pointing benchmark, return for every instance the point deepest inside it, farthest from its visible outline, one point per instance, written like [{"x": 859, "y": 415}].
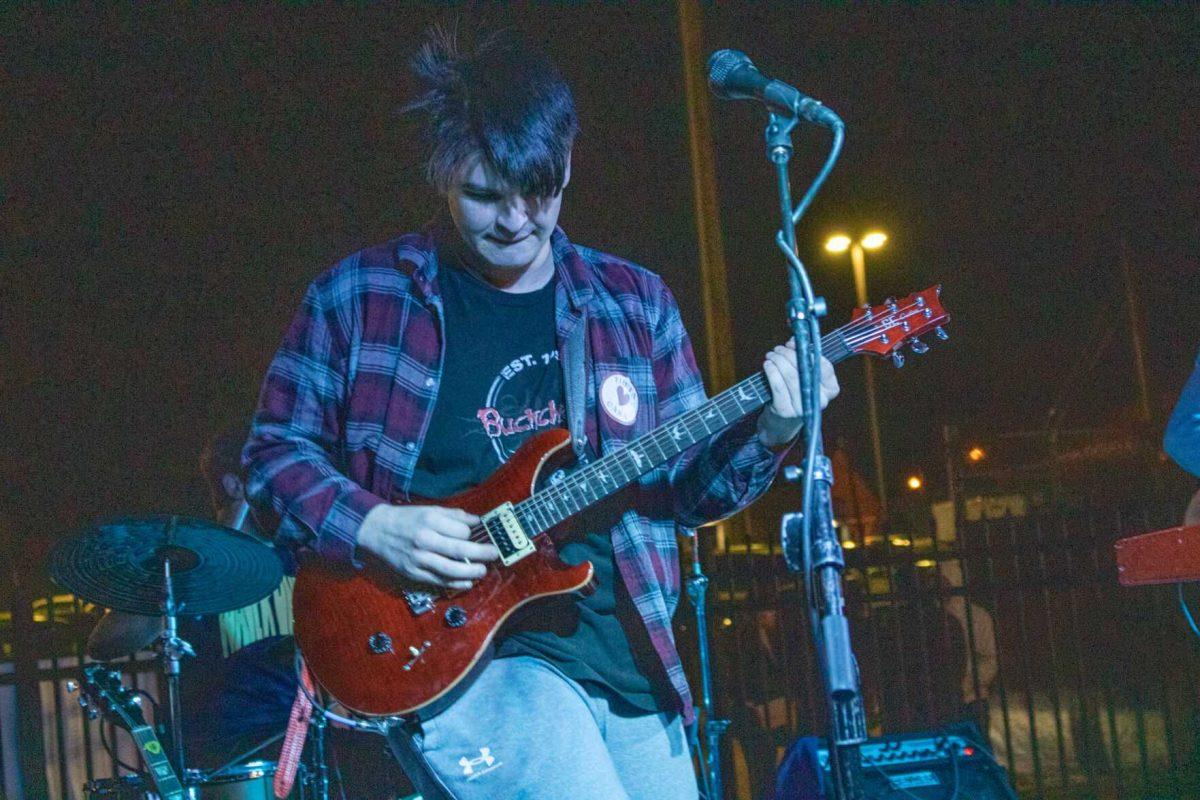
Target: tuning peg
[
  {"x": 890, "y": 303},
  {"x": 72, "y": 687},
  {"x": 84, "y": 703},
  {"x": 941, "y": 333},
  {"x": 919, "y": 347},
  {"x": 92, "y": 713},
  {"x": 898, "y": 358}
]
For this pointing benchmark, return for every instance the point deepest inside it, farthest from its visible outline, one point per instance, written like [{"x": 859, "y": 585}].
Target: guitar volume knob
[
  {"x": 380, "y": 643},
  {"x": 456, "y": 617}
]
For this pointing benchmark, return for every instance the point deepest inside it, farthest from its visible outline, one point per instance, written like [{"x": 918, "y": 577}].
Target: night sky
[{"x": 173, "y": 178}]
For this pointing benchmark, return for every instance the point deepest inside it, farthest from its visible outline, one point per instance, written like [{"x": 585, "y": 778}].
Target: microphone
[{"x": 733, "y": 76}]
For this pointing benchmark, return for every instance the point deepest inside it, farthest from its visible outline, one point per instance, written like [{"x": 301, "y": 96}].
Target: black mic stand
[{"x": 810, "y": 542}]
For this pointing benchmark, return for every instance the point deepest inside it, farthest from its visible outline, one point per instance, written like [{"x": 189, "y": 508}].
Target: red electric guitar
[{"x": 384, "y": 650}]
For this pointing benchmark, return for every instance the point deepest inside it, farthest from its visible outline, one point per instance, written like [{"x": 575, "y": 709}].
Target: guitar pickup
[{"x": 506, "y": 533}]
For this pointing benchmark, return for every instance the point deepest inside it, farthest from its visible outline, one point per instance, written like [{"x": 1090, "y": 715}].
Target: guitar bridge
[
  {"x": 506, "y": 533},
  {"x": 419, "y": 602}
]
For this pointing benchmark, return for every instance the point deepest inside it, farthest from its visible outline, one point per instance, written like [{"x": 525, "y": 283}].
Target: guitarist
[{"x": 414, "y": 369}]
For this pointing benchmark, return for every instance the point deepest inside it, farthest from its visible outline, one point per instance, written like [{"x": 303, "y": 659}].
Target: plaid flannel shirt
[{"x": 347, "y": 400}]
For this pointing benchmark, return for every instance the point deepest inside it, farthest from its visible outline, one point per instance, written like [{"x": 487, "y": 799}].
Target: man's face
[{"x": 503, "y": 230}]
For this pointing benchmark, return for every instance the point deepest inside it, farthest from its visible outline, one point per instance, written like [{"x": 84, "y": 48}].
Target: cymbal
[
  {"x": 119, "y": 634},
  {"x": 119, "y": 565}
]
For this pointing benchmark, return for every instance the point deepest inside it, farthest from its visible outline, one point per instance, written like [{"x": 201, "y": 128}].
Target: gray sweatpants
[{"x": 524, "y": 730}]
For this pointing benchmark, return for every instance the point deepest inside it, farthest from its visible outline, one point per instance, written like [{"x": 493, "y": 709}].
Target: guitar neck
[
  {"x": 159, "y": 766},
  {"x": 594, "y": 482}
]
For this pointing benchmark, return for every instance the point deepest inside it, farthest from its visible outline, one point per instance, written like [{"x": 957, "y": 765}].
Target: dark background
[{"x": 172, "y": 178}]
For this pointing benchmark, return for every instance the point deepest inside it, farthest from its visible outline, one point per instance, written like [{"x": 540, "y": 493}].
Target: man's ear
[{"x": 567, "y": 172}]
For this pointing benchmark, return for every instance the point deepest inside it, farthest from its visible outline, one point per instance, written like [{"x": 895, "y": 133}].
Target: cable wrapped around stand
[{"x": 297, "y": 731}]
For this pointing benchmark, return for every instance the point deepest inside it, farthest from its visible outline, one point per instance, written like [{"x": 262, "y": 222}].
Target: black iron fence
[{"x": 1007, "y": 613}]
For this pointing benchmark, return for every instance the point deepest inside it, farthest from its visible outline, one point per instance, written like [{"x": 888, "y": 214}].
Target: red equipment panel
[{"x": 1168, "y": 556}]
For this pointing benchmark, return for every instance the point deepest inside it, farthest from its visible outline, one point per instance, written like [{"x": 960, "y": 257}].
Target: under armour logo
[{"x": 469, "y": 765}]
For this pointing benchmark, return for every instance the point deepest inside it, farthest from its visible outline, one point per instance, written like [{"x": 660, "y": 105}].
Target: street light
[
  {"x": 874, "y": 240},
  {"x": 838, "y": 244},
  {"x": 871, "y": 240}
]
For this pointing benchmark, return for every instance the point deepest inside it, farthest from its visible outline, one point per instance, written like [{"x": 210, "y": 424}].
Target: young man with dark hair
[{"x": 414, "y": 369}]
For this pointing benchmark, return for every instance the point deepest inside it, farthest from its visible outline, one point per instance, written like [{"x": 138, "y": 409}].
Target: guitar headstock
[
  {"x": 103, "y": 692},
  {"x": 885, "y": 329}
]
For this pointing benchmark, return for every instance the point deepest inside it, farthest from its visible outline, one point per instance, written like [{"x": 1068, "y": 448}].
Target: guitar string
[{"x": 546, "y": 500}]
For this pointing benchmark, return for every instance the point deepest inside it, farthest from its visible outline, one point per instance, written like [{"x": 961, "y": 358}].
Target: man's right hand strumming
[{"x": 427, "y": 544}]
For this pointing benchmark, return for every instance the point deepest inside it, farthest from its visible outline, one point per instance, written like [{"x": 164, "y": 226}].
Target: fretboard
[
  {"x": 592, "y": 483},
  {"x": 159, "y": 766}
]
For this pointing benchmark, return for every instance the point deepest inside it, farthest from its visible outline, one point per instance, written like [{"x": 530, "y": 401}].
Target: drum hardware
[
  {"x": 119, "y": 565},
  {"x": 172, "y": 650},
  {"x": 161, "y": 566},
  {"x": 148, "y": 571},
  {"x": 118, "y": 634}
]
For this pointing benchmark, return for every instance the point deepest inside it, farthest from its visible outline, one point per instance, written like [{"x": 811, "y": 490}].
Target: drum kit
[{"x": 148, "y": 571}]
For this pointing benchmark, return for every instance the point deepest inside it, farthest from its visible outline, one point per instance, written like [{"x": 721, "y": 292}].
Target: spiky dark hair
[{"x": 500, "y": 99}]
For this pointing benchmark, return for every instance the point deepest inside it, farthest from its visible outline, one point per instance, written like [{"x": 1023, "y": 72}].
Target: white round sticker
[{"x": 619, "y": 399}]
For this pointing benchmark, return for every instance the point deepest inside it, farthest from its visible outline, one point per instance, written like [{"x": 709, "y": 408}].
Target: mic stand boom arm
[{"x": 809, "y": 539}]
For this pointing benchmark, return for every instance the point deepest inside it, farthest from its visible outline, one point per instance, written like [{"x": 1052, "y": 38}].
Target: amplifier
[{"x": 929, "y": 765}]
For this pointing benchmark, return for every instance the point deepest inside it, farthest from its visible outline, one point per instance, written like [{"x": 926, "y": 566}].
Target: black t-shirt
[{"x": 501, "y": 383}]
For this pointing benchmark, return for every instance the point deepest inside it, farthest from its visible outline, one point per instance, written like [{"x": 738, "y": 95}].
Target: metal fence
[{"x": 1082, "y": 688}]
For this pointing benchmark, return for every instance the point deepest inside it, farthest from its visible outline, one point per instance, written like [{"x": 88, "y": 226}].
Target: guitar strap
[
  {"x": 401, "y": 739},
  {"x": 575, "y": 377}
]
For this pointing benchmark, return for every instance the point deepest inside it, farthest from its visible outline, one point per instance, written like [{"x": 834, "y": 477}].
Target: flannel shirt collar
[{"x": 572, "y": 271}]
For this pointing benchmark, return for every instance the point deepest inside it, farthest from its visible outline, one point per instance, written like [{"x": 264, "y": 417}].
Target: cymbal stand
[{"x": 172, "y": 649}]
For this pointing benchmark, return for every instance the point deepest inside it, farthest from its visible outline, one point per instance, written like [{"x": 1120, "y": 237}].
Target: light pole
[{"x": 873, "y": 240}]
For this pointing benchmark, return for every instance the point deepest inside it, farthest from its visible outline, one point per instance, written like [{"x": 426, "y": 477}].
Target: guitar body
[{"x": 358, "y": 630}]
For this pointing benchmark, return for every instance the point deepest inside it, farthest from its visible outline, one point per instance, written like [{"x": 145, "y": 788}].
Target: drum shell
[{"x": 254, "y": 780}]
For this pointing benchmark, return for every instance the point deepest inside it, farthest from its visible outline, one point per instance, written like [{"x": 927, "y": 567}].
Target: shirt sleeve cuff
[
  {"x": 337, "y": 539},
  {"x": 745, "y": 433}
]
